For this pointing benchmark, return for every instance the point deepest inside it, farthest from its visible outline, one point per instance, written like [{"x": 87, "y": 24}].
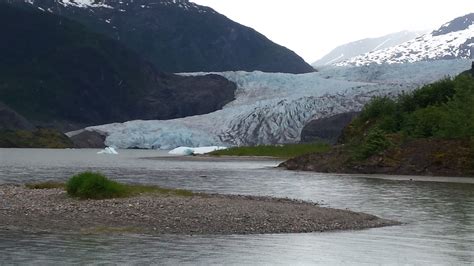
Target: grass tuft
[
  {"x": 89, "y": 185},
  {"x": 281, "y": 151}
]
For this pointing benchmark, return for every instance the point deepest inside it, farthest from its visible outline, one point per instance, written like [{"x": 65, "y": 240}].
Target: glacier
[{"x": 273, "y": 108}]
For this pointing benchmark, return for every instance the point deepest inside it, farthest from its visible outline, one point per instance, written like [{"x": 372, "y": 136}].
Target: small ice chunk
[
  {"x": 193, "y": 151},
  {"x": 204, "y": 150},
  {"x": 182, "y": 151},
  {"x": 108, "y": 150}
]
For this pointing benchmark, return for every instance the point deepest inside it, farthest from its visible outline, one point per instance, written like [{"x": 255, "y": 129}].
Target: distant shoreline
[
  {"x": 395, "y": 177},
  {"x": 219, "y": 158},
  {"x": 51, "y": 210}
]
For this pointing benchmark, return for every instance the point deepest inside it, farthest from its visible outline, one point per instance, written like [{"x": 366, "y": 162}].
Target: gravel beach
[{"x": 51, "y": 210}]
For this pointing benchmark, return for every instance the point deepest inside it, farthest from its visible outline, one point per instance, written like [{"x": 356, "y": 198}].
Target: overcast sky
[{"x": 313, "y": 28}]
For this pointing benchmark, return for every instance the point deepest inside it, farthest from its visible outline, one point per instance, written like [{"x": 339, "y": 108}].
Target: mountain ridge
[
  {"x": 453, "y": 40},
  {"x": 359, "y": 47},
  {"x": 56, "y": 73},
  {"x": 178, "y": 35}
]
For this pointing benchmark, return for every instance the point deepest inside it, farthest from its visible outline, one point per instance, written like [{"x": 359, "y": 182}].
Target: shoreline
[
  {"x": 51, "y": 210},
  {"x": 411, "y": 178},
  {"x": 220, "y": 158},
  {"x": 279, "y": 161},
  {"x": 395, "y": 177},
  {"x": 419, "y": 157}
]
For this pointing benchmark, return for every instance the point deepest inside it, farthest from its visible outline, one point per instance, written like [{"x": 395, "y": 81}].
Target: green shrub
[
  {"x": 433, "y": 94},
  {"x": 443, "y": 109},
  {"x": 90, "y": 185},
  {"x": 378, "y": 107},
  {"x": 458, "y": 113},
  {"x": 374, "y": 143},
  {"x": 423, "y": 123},
  {"x": 381, "y": 112}
]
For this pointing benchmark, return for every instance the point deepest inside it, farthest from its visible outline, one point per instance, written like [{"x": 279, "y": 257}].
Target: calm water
[{"x": 439, "y": 216}]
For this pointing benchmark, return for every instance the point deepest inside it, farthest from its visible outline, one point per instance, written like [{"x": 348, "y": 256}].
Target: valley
[{"x": 169, "y": 132}]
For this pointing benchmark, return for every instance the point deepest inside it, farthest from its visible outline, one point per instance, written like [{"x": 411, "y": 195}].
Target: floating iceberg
[
  {"x": 194, "y": 151},
  {"x": 108, "y": 150}
]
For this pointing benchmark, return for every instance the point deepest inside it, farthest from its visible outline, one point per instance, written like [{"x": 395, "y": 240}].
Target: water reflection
[{"x": 439, "y": 217}]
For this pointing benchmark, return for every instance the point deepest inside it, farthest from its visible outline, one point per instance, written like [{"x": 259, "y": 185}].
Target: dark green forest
[{"x": 444, "y": 110}]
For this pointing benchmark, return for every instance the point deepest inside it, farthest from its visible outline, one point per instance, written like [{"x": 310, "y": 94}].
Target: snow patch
[
  {"x": 123, "y": 6},
  {"x": 428, "y": 47},
  {"x": 84, "y": 3}
]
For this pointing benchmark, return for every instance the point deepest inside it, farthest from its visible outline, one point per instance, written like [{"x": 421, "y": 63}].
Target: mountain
[
  {"x": 360, "y": 47},
  {"x": 273, "y": 108},
  {"x": 453, "y": 40},
  {"x": 178, "y": 35},
  {"x": 56, "y": 73}
]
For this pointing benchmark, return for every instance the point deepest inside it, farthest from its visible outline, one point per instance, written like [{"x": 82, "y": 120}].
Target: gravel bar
[{"x": 51, "y": 210}]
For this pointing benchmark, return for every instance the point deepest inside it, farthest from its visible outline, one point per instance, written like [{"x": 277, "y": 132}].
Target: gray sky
[{"x": 313, "y": 28}]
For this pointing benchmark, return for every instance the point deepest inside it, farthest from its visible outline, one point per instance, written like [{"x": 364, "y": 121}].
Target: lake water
[{"x": 438, "y": 216}]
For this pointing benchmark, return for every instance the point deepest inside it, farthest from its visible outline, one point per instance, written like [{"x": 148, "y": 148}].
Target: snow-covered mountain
[
  {"x": 273, "y": 108},
  {"x": 352, "y": 49},
  {"x": 177, "y": 35},
  {"x": 454, "y": 40}
]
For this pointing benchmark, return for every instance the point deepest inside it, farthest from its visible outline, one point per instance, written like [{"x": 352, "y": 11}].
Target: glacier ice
[
  {"x": 108, "y": 150},
  {"x": 273, "y": 108},
  {"x": 193, "y": 151},
  {"x": 182, "y": 151}
]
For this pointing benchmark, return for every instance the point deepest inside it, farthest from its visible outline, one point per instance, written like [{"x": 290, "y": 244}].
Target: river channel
[{"x": 438, "y": 213}]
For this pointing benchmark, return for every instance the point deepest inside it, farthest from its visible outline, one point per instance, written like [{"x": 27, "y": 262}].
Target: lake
[{"x": 438, "y": 213}]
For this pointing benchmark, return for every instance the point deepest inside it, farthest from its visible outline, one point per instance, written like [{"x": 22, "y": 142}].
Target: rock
[
  {"x": 470, "y": 71},
  {"x": 327, "y": 129},
  {"x": 88, "y": 139},
  {"x": 11, "y": 120}
]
